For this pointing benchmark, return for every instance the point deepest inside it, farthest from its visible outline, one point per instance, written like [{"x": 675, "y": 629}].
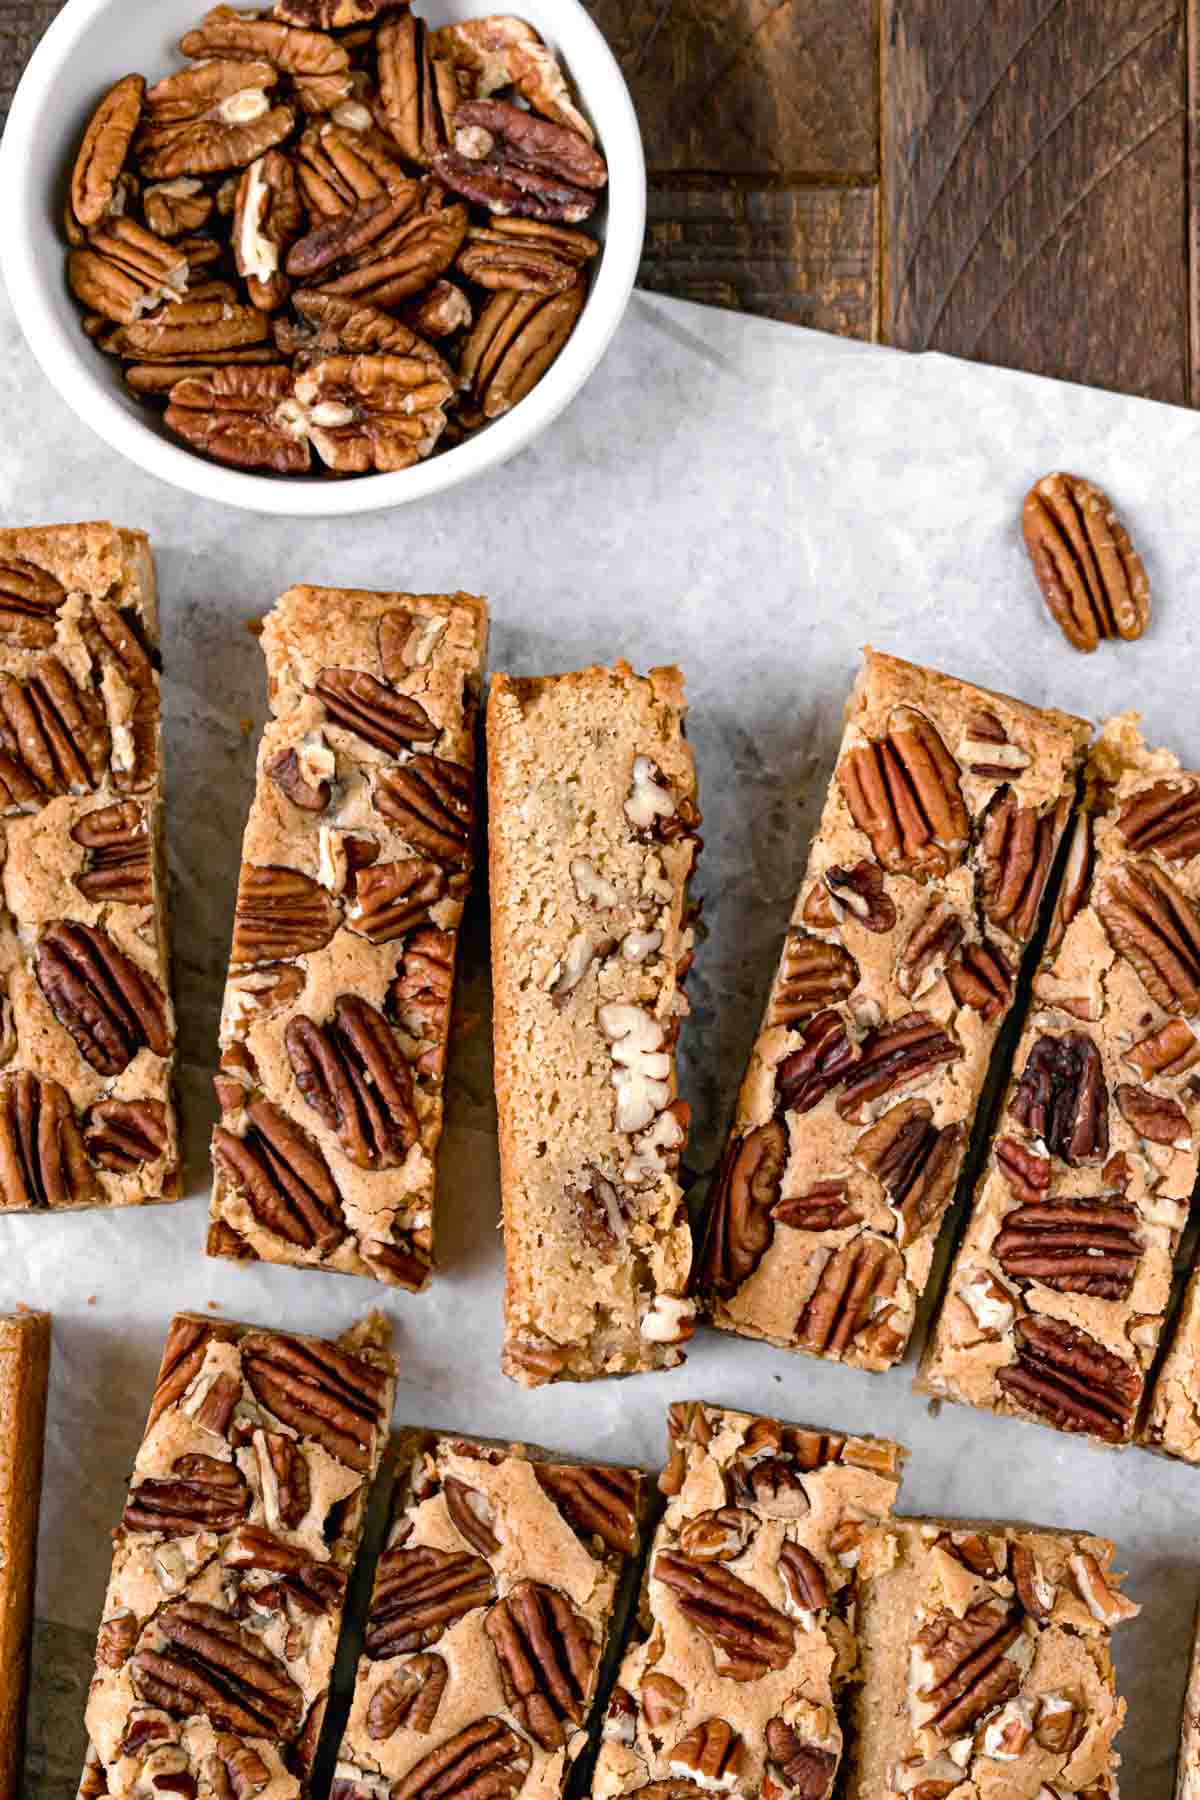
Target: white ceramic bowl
[{"x": 89, "y": 46}]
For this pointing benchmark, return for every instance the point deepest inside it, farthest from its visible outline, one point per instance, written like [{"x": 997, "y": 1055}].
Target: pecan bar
[
  {"x": 747, "y": 1627},
  {"x": 87, "y": 1031},
  {"x": 923, "y": 889},
  {"x": 1187, "y": 1772},
  {"x": 986, "y": 1663},
  {"x": 355, "y": 864},
  {"x": 592, "y": 806},
  {"x": 24, "y": 1373},
  {"x": 493, "y": 1607},
  {"x": 242, "y": 1521},
  {"x": 1056, "y": 1298}
]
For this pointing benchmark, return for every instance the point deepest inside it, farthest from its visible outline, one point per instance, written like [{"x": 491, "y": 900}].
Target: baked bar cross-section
[
  {"x": 87, "y": 1030},
  {"x": 592, "y": 828},
  {"x": 242, "y": 1521},
  {"x": 356, "y": 862},
  {"x": 501, "y": 1584},
  {"x": 924, "y": 887},
  {"x": 737, "y": 1680}
]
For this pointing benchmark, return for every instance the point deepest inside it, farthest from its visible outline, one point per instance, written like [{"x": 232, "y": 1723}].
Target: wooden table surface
[{"x": 1010, "y": 180}]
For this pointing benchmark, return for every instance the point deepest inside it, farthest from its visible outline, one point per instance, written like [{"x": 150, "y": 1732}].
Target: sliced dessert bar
[{"x": 24, "y": 1374}]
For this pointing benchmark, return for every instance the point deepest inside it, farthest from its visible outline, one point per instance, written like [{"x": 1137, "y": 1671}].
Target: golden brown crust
[{"x": 24, "y": 1373}]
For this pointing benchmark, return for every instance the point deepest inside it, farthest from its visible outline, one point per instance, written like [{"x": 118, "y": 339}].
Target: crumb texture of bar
[
  {"x": 592, "y": 829},
  {"x": 356, "y": 862},
  {"x": 1187, "y": 1773},
  {"x": 24, "y": 1373},
  {"x": 986, "y": 1663},
  {"x": 490, "y": 1620},
  {"x": 242, "y": 1521},
  {"x": 87, "y": 1029},
  {"x": 923, "y": 888},
  {"x": 747, "y": 1634},
  {"x": 1055, "y": 1302}
]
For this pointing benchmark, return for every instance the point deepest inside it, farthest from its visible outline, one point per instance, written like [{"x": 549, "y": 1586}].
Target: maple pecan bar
[
  {"x": 923, "y": 889},
  {"x": 355, "y": 863},
  {"x": 495, "y": 1599},
  {"x": 592, "y": 807},
  {"x": 986, "y": 1663},
  {"x": 24, "y": 1374},
  {"x": 242, "y": 1521},
  {"x": 87, "y": 1031},
  {"x": 746, "y": 1636},
  {"x": 1056, "y": 1298}
]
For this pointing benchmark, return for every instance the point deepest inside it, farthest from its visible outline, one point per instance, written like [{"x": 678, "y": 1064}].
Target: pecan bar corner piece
[
  {"x": 1055, "y": 1303},
  {"x": 996, "y": 1639},
  {"x": 504, "y": 1579},
  {"x": 924, "y": 887},
  {"x": 242, "y": 1521},
  {"x": 356, "y": 862},
  {"x": 592, "y": 831},
  {"x": 738, "y": 1672},
  {"x": 87, "y": 1031}
]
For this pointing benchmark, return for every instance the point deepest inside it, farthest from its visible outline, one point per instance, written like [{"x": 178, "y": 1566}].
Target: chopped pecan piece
[
  {"x": 746, "y": 1189},
  {"x": 601, "y": 1206},
  {"x": 371, "y": 412},
  {"x": 54, "y": 737},
  {"x": 321, "y": 1391},
  {"x": 284, "y": 1479},
  {"x": 985, "y": 750},
  {"x": 209, "y": 1664},
  {"x": 471, "y": 1515},
  {"x": 935, "y": 936},
  {"x": 1074, "y": 1245},
  {"x": 365, "y": 706},
  {"x": 269, "y": 988},
  {"x": 1153, "y": 924},
  {"x": 803, "y": 1579},
  {"x": 30, "y": 599},
  {"x": 268, "y": 217},
  {"x": 860, "y": 891},
  {"x": 747, "y": 1634},
  {"x": 42, "y": 1157},
  {"x": 439, "y": 312},
  {"x": 1061, "y": 1098},
  {"x": 1075, "y": 885},
  {"x": 352, "y": 1074},
  {"x": 893, "y": 1055},
  {"x": 487, "y": 1758},
  {"x": 239, "y": 415},
  {"x": 805, "y": 1771},
  {"x": 117, "y": 865},
  {"x": 510, "y": 162},
  {"x": 1027, "y": 1174},
  {"x": 104, "y": 150},
  {"x": 287, "y": 769},
  {"x": 1016, "y": 852},
  {"x": 856, "y": 1278},
  {"x": 125, "y": 1135},
  {"x": 432, "y": 802},
  {"x": 419, "y": 997},
  {"x": 526, "y": 256},
  {"x": 1153, "y": 1116},
  {"x": 115, "y": 1640},
  {"x": 979, "y": 977},
  {"x": 960, "y": 1669},
  {"x": 823, "y": 1062},
  {"x": 409, "y": 1699},
  {"x": 392, "y": 898},
  {"x": 548, "y": 1660},
  {"x": 133, "y": 694},
  {"x": 719, "y": 1536},
  {"x": 812, "y": 975},
  {"x": 711, "y": 1754},
  {"x": 286, "y": 1181},
  {"x": 903, "y": 792},
  {"x": 1064, "y": 1375},
  {"x": 1164, "y": 818},
  {"x": 110, "y": 1007},
  {"x": 1092, "y": 579},
  {"x": 915, "y": 1163},
  {"x": 513, "y": 342},
  {"x": 596, "y": 1502},
  {"x": 419, "y": 1594},
  {"x": 416, "y": 93},
  {"x": 176, "y": 208},
  {"x": 200, "y": 1494},
  {"x": 824, "y": 1207},
  {"x": 280, "y": 913},
  {"x": 1171, "y": 1050}
]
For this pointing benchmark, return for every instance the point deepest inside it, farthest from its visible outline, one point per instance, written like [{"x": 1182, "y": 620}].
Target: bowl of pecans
[{"x": 325, "y": 257}]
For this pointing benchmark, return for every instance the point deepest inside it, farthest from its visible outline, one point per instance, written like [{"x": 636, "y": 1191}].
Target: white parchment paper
[{"x": 755, "y": 502}]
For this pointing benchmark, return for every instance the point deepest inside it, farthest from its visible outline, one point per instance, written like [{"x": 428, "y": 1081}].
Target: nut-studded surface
[
  {"x": 746, "y": 1636},
  {"x": 243, "y": 1519},
  {"x": 1056, "y": 1300},
  {"x": 986, "y": 1662},
  {"x": 503, "y": 1575},
  {"x": 592, "y": 807},
  {"x": 355, "y": 864},
  {"x": 86, "y": 1024},
  {"x": 924, "y": 883}
]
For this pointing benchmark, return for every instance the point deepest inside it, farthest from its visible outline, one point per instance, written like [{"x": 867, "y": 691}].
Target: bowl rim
[{"x": 314, "y": 496}]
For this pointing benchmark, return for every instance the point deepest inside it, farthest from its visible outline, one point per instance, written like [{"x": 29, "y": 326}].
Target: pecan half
[
  {"x": 1153, "y": 1116},
  {"x": 513, "y": 342},
  {"x": 1076, "y": 1246},
  {"x": 915, "y": 1163},
  {"x": 1075, "y": 885},
  {"x": 384, "y": 252},
  {"x": 42, "y": 1157},
  {"x": 439, "y": 312},
  {"x": 857, "y": 1277},
  {"x": 746, "y": 1189},
  {"x": 596, "y": 1502},
  {"x": 747, "y": 1634},
  {"x": 980, "y": 977},
  {"x": 812, "y": 975},
  {"x": 711, "y": 1754},
  {"x": 280, "y": 913},
  {"x": 1093, "y": 581},
  {"x": 409, "y": 1699},
  {"x": 133, "y": 695},
  {"x": 239, "y": 415},
  {"x": 103, "y": 152},
  {"x": 526, "y": 256},
  {"x": 208, "y": 325},
  {"x": 985, "y": 749},
  {"x": 718, "y": 1536},
  {"x": 803, "y": 1579},
  {"x": 903, "y": 792},
  {"x": 200, "y": 1494},
  {"x": 509, "y": 161},
  {"x": 498, "y": 51},
  {"x": 824, "y": 1207},
  {"x": 110, "y": 1007},
  {"x": 1063, "y": 1375},
  {"x": 805, "y": 1771},
  {"x": 359, "y": 703},
  {"x": 1153, "y": 924},
  {"x": 960, "y": 1666},
  {"x": 1171, "y": 1050},
  {"x": 1016, "y": 851},
  {"x": 286, "y": 1181},
  {"x": 1165, "y": 818},
  {"x": 212, "y": 1665},
  {"x": 487, "y": 1758},
  {"x": 416, "y": 93},
  {"x": 371, "y": 412},
  {"x": 893, "y": 1055},
  {"x": 268, "y": 217},
  {"x": 117, "y": 866},
  {"x": 351, "y": 1072},
  {"x": 548, "y": 1660},
  {"x": 115, "y": 1640},
  {"x": 125, "y": 271},
  {"x": 1061, "y": 1098},
  {"x": 392, "y": 898},
  {"x": 934, "y": 937},
  {"x": 176, "y": 208},
  {"x": 125, "y": 1135},
  {"x": 54, "y": 736},
  {"x": 823, "y": 1061},
  {"x": 431, "y": 800},
  {"x": 321, "y": 1391},
  {"x": 215, "y": 115},
  {"x": 419, "y": 1594},
  {"x": 30, "y": 599},
  {"x": 338, "y": 169},
  {"x": 284, "y": 1479}
]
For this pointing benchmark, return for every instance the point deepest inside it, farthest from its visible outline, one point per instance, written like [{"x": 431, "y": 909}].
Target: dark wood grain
[
  {"x": 1034, "y": 173},
  {"x": 22, "y": 23}
]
